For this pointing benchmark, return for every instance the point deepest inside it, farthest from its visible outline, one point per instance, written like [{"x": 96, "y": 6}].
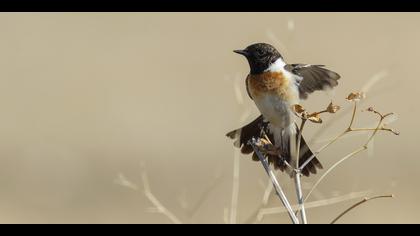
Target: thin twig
[
  {"x": 300, "y": 197},
  {"x": 334, "y": 140},
  {"x": 226, "y": 215},
  {"x": 353, "y": 116},
  {"x": 297, "y": 172},
  {"x": 373, "y": 129},
  {"x": 123, "y": 181},
  {"x": 236, "y": 162},
  {"x": 361, "y": 130},
  {"x": 204, "y": 196},
  {"x": 346, "y": 131},
  {"x": 364, "y": 147},
  {"x": 235, "y": 189},
  {"x": 366, "y": 199},
  {"x": 382, "y": 117},
  {"x": 366, "y": 87},
  {"x": 322, "y": 149},
  {"x": 276, "y": 184},
  {"x": 314, "y": 204},
  {"x": 331, "y": 168},
  {"x": 159, "y": 206},
  {"x": 267, "y": 192}
]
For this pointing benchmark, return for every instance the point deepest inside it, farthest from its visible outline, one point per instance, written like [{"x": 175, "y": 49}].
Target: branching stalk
[
  {"x": 366, "y": 199},
  {"x": 364, "y": 147},
  {"x": 331, "y": 168},
  {"x": 235, "y": 189},
  {"x": 159, "y": 206},
  {"x": 264, "y": 146},
  {"x": 298, "y": 175},
  {"x": 348, "y": 130},
  {"x": 279, "y": 190}
]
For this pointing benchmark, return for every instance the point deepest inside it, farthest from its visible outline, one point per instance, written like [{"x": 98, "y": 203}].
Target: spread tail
[
  {"x": 305, "y": 154},
  {"x": 253, "y": 129}
]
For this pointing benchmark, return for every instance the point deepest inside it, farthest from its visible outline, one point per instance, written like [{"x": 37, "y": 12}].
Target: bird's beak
[{"x": 242, "y": 52}]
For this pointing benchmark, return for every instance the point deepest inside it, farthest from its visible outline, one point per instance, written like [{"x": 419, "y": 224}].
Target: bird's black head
[{"x": 260, "y": 56}]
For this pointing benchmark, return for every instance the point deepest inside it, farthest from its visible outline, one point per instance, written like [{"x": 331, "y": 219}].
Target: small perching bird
[{"x": 275, "y": 87}]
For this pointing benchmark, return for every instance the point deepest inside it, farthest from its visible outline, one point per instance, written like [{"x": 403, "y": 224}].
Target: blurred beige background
[{"x": 87, "y": 98}]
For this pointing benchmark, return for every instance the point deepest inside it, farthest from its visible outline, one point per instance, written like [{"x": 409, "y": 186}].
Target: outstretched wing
[{"x": 315, "y": 77}]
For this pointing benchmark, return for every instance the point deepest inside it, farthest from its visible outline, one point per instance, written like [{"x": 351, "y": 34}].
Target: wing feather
[{"x": 315, "y": 78}]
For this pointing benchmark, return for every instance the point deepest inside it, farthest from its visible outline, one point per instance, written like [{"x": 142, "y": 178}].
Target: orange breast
[{"x": 268, "y": 82}]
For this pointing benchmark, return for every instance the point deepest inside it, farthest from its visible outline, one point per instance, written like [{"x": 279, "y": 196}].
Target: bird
[{"x": 275, "y": 87}]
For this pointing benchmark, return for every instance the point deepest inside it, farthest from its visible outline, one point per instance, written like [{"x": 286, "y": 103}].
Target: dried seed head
[
  {"x": 396, "y": 132},
  {"x": 298, "y": 109},
  {"x": 356, "y": 96},
  {"x": 315, "y": 118},
  {"x": 371, "y": 109},
  {"x": 332, "y": 108}
]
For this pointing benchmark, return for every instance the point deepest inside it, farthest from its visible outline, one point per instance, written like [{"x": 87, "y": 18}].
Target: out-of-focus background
[{"x": 93, "y": 106}]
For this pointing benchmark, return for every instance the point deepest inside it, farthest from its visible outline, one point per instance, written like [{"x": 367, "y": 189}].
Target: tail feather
[
  {"x": 246, "y": 133},
  {"x": 253, "y": 130},
  {"x": 305, "y": 154}
]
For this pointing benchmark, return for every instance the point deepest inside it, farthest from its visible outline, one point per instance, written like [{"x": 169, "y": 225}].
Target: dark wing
[
  {"x": 246, "y": 133},
  {"x": 253, "y": 130},
  {"x": 247, "y": 89},
  {"x": 315, "y": 77}
]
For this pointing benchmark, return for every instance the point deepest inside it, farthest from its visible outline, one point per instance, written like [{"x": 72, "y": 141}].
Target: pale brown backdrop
[{"x": 87, "y": 98}]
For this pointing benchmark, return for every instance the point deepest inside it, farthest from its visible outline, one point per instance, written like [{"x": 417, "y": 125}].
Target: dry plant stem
[
  {"x": 372, "y": 129},
  {"x": 334, "y": 140},
  {"x": 322, "y": 149},
  {"x": 364, "y": 147},
  {"x": 279, "y": 190},
  {"x": 300, "y": 197},
  {"x": 204, "y": 196},
  {"x": 338, "y": 117},
  {"x": 353, "y": 116},
  {"x": 366, "y": 87},
  {"x": 162, "y": 209},
  {"x": 331, "y": 168},
  {"x": 325, "y": 202},
  {"x": 298, "y": 175},
  {"x": 253, "y": 217},
  {"x": 235, "y": 189},
  {"x": 358, "y": 204}
]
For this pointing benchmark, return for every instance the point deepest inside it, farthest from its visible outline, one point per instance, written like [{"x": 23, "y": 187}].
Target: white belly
[{"x": 275, "y": 110}]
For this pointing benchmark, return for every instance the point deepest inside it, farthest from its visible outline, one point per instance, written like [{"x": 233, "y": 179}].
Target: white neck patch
[{"x": 278, "y": 65}]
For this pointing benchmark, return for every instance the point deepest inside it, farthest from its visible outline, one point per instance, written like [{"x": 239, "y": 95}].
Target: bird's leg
[{"x": 267, "y": 147}]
